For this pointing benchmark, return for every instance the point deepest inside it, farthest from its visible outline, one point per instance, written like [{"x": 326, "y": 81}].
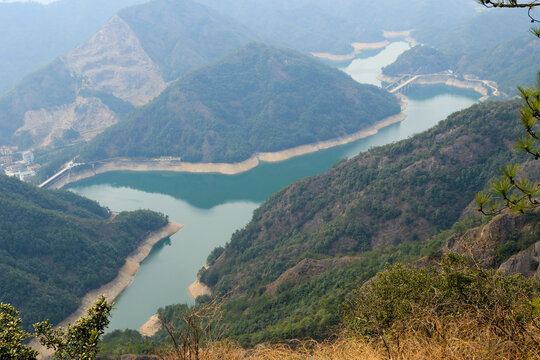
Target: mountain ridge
[{"x": 256, "y": 99}]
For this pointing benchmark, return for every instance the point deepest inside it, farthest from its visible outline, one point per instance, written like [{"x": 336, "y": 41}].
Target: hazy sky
[{"x": 39, "y": 1}]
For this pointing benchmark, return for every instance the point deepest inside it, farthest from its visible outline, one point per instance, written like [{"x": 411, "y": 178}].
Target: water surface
[{"x": 213, "y": 206}]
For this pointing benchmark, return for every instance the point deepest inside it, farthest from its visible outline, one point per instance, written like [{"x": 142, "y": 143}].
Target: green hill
[
  {"x": 255, "y": 99},
  {"x": 128, "y": 62},
  {"x": 312, "y": 241},
  {"x": 55, "y": 246},
  {"x": 419, "y": 60},
  {"x": 517, "y": 63},
  {"x": 288, "y": 272},
  {"x": 180, "y": 35},
  {"x": 331, "y": 26}
]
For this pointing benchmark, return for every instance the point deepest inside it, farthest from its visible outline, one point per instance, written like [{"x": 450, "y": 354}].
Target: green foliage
[
  {"x": 214, "y": 254},
  {"x": 511, "y": 191},
  {"x": 55, "y": 246},
  {"x": 405, "y": 298},
  {"x": 420, "y": 59},
  {"x": 183, "y": 35},
  {"x": 117, "y": 105},
  {"x": 416, "y": 187},
  {"x": 12, "y": 336},
  {"x": 256, "y": 99},
  {"x": 127, "y": 341},
  {"x": 53, "y": 160},
  {"x": 78, "y": 341}
]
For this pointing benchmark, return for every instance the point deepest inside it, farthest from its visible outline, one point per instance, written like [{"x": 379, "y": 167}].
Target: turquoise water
[{"x": 213, "y": 206}]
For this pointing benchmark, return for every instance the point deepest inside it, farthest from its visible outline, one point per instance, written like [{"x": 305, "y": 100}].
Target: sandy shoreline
[
  {"x": 357, "y": 46},
  {"x": 125, "y": 164},
  {"x": 197, "y": 288},
  {"x": 151, "y": 326},
  {"x": 125, "y": 276}
]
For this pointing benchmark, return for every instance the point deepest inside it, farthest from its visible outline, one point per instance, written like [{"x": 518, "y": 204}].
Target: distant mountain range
[
  {"x": 256, "y": 99},
  {"x": 129, "y": 60},
  {"x": 33, "y": 34},
  {"x": 143, "y": 48},
  {"x": 331, "y": 26}
]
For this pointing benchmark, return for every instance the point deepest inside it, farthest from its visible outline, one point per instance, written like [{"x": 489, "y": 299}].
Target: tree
[
  {"x": 77, "y": 341},
  {"x": 12, "y": 336},
  {"x": 512, "y": 191}
]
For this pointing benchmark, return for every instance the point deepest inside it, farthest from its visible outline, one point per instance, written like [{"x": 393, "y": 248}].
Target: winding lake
[{"x": 213, "y": 206}]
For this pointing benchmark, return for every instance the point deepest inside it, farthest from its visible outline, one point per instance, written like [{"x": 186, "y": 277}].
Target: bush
[{"x": 432, "y": 303}]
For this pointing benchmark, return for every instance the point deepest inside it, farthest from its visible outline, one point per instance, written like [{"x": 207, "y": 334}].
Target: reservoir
[{"x": 213, "y": 206}]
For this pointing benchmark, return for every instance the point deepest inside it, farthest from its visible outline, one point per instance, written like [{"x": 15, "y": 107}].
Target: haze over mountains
[
  {"x": 144, "y": 47},
  {"x": 256, "y": 99},
  {"x": 219, "y": 81},
  {"x": 129, "y": 60},
  {"x": 32, "y": 34}
]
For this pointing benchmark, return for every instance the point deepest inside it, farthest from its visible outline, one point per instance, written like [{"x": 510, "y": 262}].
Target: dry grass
[{"x": 457, "y": 342}]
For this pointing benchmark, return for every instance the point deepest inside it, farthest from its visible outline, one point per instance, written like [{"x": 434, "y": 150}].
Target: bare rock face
[
  {"x": 113, "y": 61},
  {"x": 525, "y": 262},
  {"x": 481, "y": 242},
  {"x": 88, "y": 116}
]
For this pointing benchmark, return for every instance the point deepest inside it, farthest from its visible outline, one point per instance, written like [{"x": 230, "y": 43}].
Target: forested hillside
[
  {"x": 181, "y": 35},
  {"x": 288, "y": 272},
  {"x": 474, "y": 44},
  {"x": 55, "y": 246},
  {"x": 419, "y": 60},
  {"x": 127, "y": 62},
  {"x": 256, "y": 99},
  {"x": 517, "y": 63},
  {"x": 331, "y": 26},
  {"x": 286, "y": 268}
]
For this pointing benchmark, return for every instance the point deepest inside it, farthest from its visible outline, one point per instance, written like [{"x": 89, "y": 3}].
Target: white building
[{"x": 28, "y": 157}]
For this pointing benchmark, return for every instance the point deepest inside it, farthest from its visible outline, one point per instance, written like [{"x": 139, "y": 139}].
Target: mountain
[
  {"x": 307, "y": 245},
  {"x": 256, "y": 99},
  {"x": 126, "y": 63},
  {"x": 473, "y": 46},
  {"x": 55, "y": 246},
  {"x": 517, "y": 63},
  {"x": 181, "y": 35},
  {"x": 419, "y": 60},
  {"x": 287, "y": 273},
  {"x": 331, "y": 26},
  {"x": 32, "y": 34}
]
